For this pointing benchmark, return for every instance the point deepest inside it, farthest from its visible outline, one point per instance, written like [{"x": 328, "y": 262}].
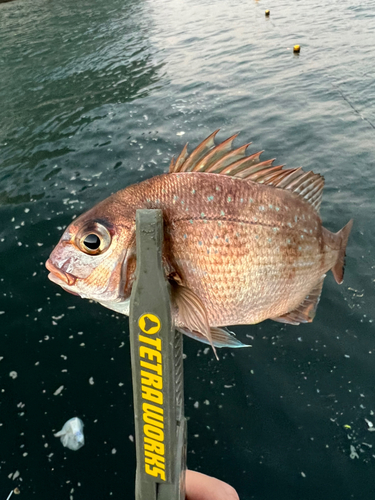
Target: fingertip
[{"x": 202, "y": 487}]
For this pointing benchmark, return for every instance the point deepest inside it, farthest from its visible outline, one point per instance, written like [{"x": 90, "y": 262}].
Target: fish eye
[{"x": 93, "y": 239}]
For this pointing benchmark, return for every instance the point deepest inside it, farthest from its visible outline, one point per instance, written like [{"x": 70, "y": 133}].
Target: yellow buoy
[
  {"x": 267, "y": 13},
  {"x": 296, "y": 49}
]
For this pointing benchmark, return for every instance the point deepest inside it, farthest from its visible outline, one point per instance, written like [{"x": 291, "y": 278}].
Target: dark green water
[{"x": 97, "y": 95}]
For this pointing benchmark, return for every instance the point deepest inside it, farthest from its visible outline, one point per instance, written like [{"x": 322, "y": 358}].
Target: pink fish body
[{"x": 244, "y": 242}]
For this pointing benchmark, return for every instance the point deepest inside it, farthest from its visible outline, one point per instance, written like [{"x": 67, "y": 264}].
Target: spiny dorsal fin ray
[
  {"x": 199, "y": 152},
  {"x": 235, "y": 169},
  {"x": 180, "y": 160},
  {"x": 305, "y": 312},
  {"x": 257, "y": 171},
  {"x": 229, "y": 158},
  {"x": 224, "y": 160},
  {"x": 270, "y": 174},
  {"x": 276, "y": 179},
  {"x": 216, "y": 153}
]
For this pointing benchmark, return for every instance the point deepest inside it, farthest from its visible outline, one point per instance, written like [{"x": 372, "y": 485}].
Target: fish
[{"x": 243, "y": 242}]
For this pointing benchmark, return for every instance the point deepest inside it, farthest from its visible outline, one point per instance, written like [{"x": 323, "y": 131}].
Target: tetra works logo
[{"x": 151, "y": 362}]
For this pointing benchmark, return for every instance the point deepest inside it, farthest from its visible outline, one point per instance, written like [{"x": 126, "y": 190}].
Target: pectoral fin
[
  {"x": 221, "y": 337},
  {"x": 192, "y": 313},
  {"x": 305, "y": 312}
]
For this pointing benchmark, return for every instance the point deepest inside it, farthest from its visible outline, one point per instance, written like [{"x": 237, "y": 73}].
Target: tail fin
[{"x": 338, "y": 268}]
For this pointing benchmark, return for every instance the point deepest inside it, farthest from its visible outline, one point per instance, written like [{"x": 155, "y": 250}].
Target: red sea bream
[{"x": 243, "y": 242}]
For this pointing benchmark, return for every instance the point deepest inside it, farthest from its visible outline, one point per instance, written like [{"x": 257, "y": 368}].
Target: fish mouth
[{"x": 58, "y": 276}]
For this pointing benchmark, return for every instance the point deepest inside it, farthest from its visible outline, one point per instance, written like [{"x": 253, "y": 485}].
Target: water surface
[{"x": 98, "y": 95}]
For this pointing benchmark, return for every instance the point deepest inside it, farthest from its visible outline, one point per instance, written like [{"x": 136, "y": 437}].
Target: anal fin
[{"x": 305, "y": 312}]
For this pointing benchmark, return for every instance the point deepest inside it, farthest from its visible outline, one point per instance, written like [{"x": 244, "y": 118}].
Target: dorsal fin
[{"x": 224, "y": 160}]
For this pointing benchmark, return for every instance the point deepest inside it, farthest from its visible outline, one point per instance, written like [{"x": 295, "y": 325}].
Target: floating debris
[
  {"x": 71, "y": 435},
  {"x": 369, "y": 423},
  {"x": 353, "y": 453},
  {"x": 59, "y": 390}
]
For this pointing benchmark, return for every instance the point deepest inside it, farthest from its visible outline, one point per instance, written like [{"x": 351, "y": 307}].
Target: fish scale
[{"x": 247, "y": 265}]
